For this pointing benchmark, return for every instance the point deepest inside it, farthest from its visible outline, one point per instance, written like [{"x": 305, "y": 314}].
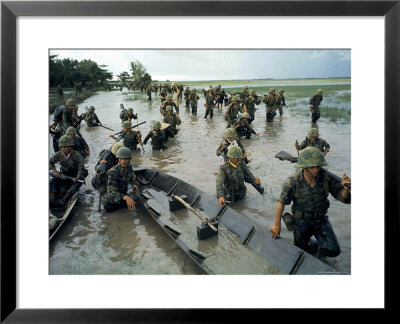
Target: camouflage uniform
[
  {"x": 163, "y": 95},
  {"x": 230, "y": 181},
  {"x": 225, "y": 150},
  {"x": 148, "y": 92},
  {"x": 131, "y": 139},
  {"x": 319, "y": 143},
  {"x": 243, "y": 96},
  {"x": 232, "y": 114},
  {"x": 72, "y": 167},
  {"x": 209, "y": 105},
  {"x": 168, "y": 103},
  {"x": 60, "y": 93},
  {"x": 280, "y": 102},
  {"x": 244, "y": 128},
  {"x": 67, "y": 120},
  {"x": 187, "y": 95},
  {"x": 251, "y": 103},
  {"x": 194, "y": 98},
  {"x": 270, "y": 102},
  {"x": 91, "y": 119},
  {"x": 171, "y": 130},
  {"x": 124, "y": 115},
  {"x": 80, "y": 146},
  {"x": 310, "y": 205},
  {"x": 315, "y": 101},
  {"x": 157, "y": 140},
  {"x": 118, "y": 181}
]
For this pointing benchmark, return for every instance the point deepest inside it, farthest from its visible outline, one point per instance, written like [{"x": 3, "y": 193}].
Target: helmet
[
  {"x": 70, "y": 102},
  {"x": 156, "y": 124},
  {"x": 92, "y": 108},
  {"x": 245, "y": 87},
  {"x": 230, "y": 132},
  {"x": 245, "y": 115},
  {"x": 124, "y": 153},
  {"x": 71, "y": 130},
  {"x": 126, "y": 124},
  {"x": 320, "y": 91},
  {"x": 169, "y": 97},
  {"x": 169, "y": 108},
  {"x": 234, "y": 98},
  {"x": 65, "y": 140},
  {"x": 115, "y": 147},
  {"x": 313, "y": 132},
  {"x": 271, "y": 89},
  {"x": 130, "y": 110},
  {"x": 281, "y": 90},
  {"x": 311, "y": 157},
  {"x": 234, "y": 152},
  {"x": 252, "y": 91}
]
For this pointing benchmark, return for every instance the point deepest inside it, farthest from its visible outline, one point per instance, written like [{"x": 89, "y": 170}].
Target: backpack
[{"x": 57, "y": 118}]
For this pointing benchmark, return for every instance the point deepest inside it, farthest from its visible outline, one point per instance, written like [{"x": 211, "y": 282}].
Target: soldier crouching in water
[
  {"x": 172, "y": 120},
  {"x": 314, "y": 102},
  {"x": 243, "y": 127},
  {"x": 313, "y": 140},
  {"x": 119, "y": 177},
  {"x": 309, "y": 189},
  {"x": 131, "y": 138},
  {"x": 157, "y": 136},
  {"x": 231, "y": 177}
]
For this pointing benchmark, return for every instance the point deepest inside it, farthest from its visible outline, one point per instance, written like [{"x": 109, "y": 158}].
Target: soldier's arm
[
  {"x": 303, "y": 144},
  {"x": 178, "y": 122},
  {"x": 112, "y": 187},
  {"x": 240, "y": 145},
  {"x": 80, "y": 166},
  {"x": 219, "y": 150},
  {"x": 248, "y": 172},
  {"x": 53, "y": 160},
  {"x": 336, "y": 190},
  {"x": 220, "y": 182},
  {"x": 327, "y": 147},
  {"x": 147, "y": 137}
]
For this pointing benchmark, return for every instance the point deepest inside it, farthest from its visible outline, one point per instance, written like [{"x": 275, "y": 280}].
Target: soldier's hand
[
  {"x": 56, "y": 173},
  {"x": 221, "y": 201},
  {"x": 111, "y": 135},
  {"x": 244, "y": 155},
  {"x": 237, "y": 126},
  {"x": 276, "y": 230},
  {"x": 345, "y": 180},
  {"x": 135, "y": 187},
  {"x": 257, "y": 134},
  {"x": 141, "y": 143},
  {"x": 129, "y": 202},
  {"x": 257, "y": 181},
  {"x": 325, "y": 152},
  {"x": 75, "y": 179},
  {"x": 224, "y": 143},
  {"x": 296, "y": 144}
]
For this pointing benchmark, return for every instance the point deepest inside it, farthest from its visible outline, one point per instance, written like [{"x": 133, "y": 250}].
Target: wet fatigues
[
  {"x": 223, "y": 152},
  {"x": 72, "y": 166},
  {"x": 131, "y": 139},
  {"x": 243, "y": 96},
  {"x": 92, "y": 119},
  {"x": 230, "y": 180},
  {"x": 310, "y": 205},
  {"x": 80, "y": 146},
  {"x": 251, "y": 103},
  {"x": 148, "y": 92},
  {"x": 67, "y": 120},
  {"x": 270, "y": 102},
  {"x": 118, "y": 181},
  {"x": 319, "y": 143},
  {"x": 209, "y": 105},
  {"x": 315, "y": 101},
  {"x": 186, "y": 96},
  {"x": 194, "y": 98},
  {"x": 171, "y": 130},
  {"x": 232, "y": 114},
  {"x": 123, "y": 115},
  {"x": 157, "y": 140},
  {"x": 163, "y": 95},
  {"x": 164, "y": 106},
  {"x": 280, "y": 102},
  {"x": 244, "y": 128},
  {"x": 99, "y": 181}
]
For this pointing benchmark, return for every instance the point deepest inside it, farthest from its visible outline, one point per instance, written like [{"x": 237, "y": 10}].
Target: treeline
[
  {"x": 138, "y": 79},
  {"x": 68, "y": 72}
]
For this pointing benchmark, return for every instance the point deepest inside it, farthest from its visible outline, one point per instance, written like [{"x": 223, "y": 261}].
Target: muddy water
[{"x": 132, "y": 243}]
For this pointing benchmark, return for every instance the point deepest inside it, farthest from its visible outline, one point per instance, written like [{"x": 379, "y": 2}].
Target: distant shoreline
[{"x": 275, "y": 81}]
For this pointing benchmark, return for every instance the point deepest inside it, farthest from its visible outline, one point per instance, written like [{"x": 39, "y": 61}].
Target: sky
[{"x": 203, "y": 64}]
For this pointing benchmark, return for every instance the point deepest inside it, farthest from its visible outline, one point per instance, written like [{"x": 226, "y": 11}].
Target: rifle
[
  {"x": 65, "y": 177},
  {"x": 105, "y": 127},
  {"x": 259, "y": 188},
  {"x": 130, "y": 128}
]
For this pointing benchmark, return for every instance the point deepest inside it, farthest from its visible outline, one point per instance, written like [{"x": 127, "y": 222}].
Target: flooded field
[{"x": 126, "y": 242}]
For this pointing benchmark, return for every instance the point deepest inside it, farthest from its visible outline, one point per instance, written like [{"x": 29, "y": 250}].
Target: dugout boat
[{"x": 238, "y": 246}]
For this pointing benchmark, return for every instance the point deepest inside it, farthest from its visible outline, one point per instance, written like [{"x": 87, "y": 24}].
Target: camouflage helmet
[
  {"x": 126, "y": 124},
  {"x": 311, "y": 157},
  {"x": 271, "y": 90},
  {"x": 124, "y": 153},
  {"x": 70, "y": 102},
  {"x": 313, "y": 132},
  {"x": 91, "y": 108},
  {"x": 230, "y": 132},
  {"x": 234, "y": 98},
  {"x": 245, "y": 115},
  {"x": 281, "y": 90},
  {"x": 235, "y": 152},
  {"x": 71, "y": 130},
  {"x": 169, "y": 108},
  {"x": 130, "y": 110},
  {"x": 169, "y": 97},
  {"x": 65, "y": 140},
  {"x": 245, "y": 87},
  {"x": 156, "y": 124},
  {"x": 252, "y": 92},
  {"x": 320, "y": 91},
  {"x": 116, "y": 147}
]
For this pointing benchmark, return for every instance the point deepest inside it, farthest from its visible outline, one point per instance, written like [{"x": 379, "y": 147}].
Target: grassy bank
[
  {"x": 276, "y": 82},
  {"x": 69, "y": 93}
]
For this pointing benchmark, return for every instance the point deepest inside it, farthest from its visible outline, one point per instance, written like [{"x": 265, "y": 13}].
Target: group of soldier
[{"x": 308, "y": 188}]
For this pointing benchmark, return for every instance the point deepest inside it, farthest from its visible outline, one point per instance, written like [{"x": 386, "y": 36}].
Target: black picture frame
[{"x": 9, "y": 13}]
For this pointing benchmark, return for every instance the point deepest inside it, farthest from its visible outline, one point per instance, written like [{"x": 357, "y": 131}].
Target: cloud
[{"x": 319, "y": 54}]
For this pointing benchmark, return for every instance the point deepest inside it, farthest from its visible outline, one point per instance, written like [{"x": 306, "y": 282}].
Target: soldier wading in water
[
  {"x": 314, "y": 102},
  {"x": 231, "y": 177},
  {"x": 314, "y": 141},
  {"x": 309, "y": 189}
]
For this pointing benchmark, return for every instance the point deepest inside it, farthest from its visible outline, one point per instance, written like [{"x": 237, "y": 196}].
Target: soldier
[
  {"x": 157, "y": 137},
  {"x": 76, "y": 85},
  {"x": 244, "y": 95},
  {"x": 172, "y": 120},
  {"x": 314, "y": 102},
  {"x": 233, "y": 95},
  {"x": 131, "y": 115},
  {"x": 194, "y": 98},
  {"x": 309, "y": 189},
  {"x": 243, "y": 127},
  {"x": 168, "y": 102},
  {"x": 124, "y": 113},
  {"x": 79, "y": 145},
  {"x": 313, "y": 140},
  {"x": 219, "y": 97},
  {"x": 250, "y": 105},
  {"x": 270, "y": 102},
  {"x": 67, "y": 115},
  {"x": 91, "y": 118},
  {"x": 163, "y": 94},
  {"x": 209, "y": 104},
  {"x": 131, "y": 138},
  {"x": 71, "y": 166},
  {"x": 148, "y": 92},
  {"x": 119, "y": 177},
  {"x": 187, "y": 95},
  {"x": 230, "y": 139},
  {"x": 231, "y": 177},
  {"x": 280, "y": 102},
  {"x": 60, "y": 93},
  {"x": 231, "y": 112}
]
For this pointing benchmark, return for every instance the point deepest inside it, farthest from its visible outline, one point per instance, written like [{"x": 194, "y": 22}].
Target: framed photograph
[{"x": 114, "y": 267}]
